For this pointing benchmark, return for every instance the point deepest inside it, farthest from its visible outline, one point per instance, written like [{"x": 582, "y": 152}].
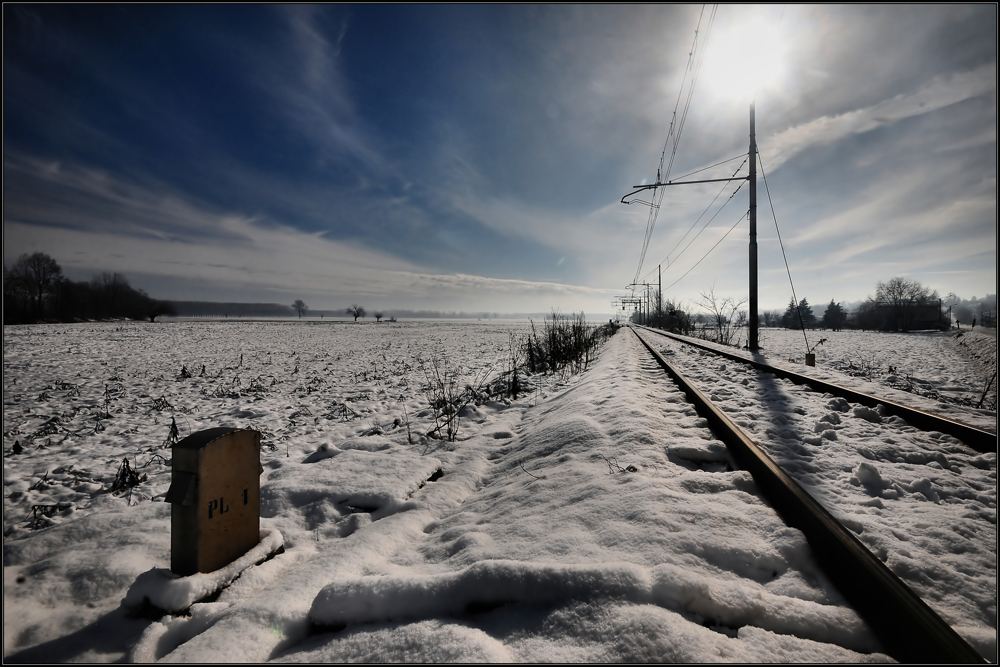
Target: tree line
[
  {"x": 801, "y": 316},
  {"x": 899, "y": 304},
  {"x": 35, "y": 290}
]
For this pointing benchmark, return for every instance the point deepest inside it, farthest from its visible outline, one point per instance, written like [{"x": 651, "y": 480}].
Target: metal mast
[{"x": 752, "y": 344}]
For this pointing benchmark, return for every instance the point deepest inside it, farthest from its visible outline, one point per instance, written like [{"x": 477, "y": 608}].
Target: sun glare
[{"x": 744, "y": 59}]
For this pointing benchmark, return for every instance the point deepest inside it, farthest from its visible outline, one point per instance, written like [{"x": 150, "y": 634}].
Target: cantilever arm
[
  {"x": 657, "y": 185},
  {"x": 641, "y": 188}
]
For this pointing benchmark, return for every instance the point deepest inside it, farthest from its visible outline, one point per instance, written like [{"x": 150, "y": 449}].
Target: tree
[
  {"x": 790, "y": 318},
  {"x": 724, "y": 313},
  {"x": 834, "y": 317},
  {"x": 676, "y": 319},
  {"x": 35, "y": 289},
  {"x": 357, "y": 311},
  {"x": 770, "y": 318},
  {"x": 300, "y": 307},
  {"x": 37, "y": 277},
  {"x": 109, "y": 293},
  {"x": 158, "y": 308},
  {"x": 806, "y": 311},
  {"x": 378, "y": 316},
  {"x": 865, "y": 316},
  {"x": 900, "y": 295},
  {"x": 798, "y": 317},
  {"x": 15, "y": 296}
]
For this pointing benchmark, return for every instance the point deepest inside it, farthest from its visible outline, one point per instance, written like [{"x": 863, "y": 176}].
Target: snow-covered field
[
  {"x": 537, "y": 543},
  {"x": 953, "y": 365}
]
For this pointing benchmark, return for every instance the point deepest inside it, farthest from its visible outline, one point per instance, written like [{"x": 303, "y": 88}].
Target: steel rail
[
  {"x": 909, "y": 630},
  {"x": 978, "y": 439}
]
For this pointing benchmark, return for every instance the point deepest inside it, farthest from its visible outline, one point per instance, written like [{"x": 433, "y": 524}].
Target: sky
[{"x": 474, "y": 158}]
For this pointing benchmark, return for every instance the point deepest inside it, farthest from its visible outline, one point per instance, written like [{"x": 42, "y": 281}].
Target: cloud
[
  {"x": 938, "y": 93},
  {"x": 60, "y": 194},
  {"x": 310, "y": 85},
  {"x": 187, "y": 250}
]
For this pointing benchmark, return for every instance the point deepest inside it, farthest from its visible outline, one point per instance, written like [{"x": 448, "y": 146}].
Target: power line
[
  {"x": 707, "y": 209},
  {"x": 742, "y": 217},
  {"x": 717, "y": 164},
  {"x": 676, "y": 129}
]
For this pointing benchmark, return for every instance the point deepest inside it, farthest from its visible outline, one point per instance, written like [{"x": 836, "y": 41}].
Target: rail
[
  {"x": 981, "y": 440},
  {"x": 909, "y": 629}
]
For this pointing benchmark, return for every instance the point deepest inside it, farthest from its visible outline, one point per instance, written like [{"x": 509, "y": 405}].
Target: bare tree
[
  {"x": 378, "y": 316},
  {"x": 300, "y": 307},
  {"x": 15, "y": 294},
  {"x": 770, "y": 318},
  {"x": 724, "y": 313},
  {"x": 357, "y": 311},
  {"x": 901, "y": 295},
  {"x": 38, "y": 276},
  {"x": 865, "y": 315},
  {"x": 109, "y": 291},
  {"x": 158, "y": 308}
]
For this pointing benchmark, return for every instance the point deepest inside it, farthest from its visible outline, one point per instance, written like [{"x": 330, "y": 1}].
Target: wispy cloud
[
  {"x": 940, "y": 92},
  {"x": 66, "y": 195},
  {"x": 452, "y": 157},
  {"x": 103, "y": 222},
  {"x": 310, "y": 85}
]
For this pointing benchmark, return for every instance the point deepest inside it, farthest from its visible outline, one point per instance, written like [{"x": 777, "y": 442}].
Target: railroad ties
[
  {"x": 908, "y": 628},
  {"x": 976, "y": 438}
]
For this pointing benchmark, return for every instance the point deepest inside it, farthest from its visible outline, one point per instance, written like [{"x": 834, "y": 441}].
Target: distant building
[
  {"x": 913, "y": 317},
  {"x": 908, "y": 317}
]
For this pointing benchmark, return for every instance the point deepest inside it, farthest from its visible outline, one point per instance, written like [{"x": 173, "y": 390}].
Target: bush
[
  {"x": 565, "y": 342},
  {"x": 725, "y": 317}
]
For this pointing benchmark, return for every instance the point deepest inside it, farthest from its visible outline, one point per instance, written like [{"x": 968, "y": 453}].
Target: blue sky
[{"x": 472, "y": 158}]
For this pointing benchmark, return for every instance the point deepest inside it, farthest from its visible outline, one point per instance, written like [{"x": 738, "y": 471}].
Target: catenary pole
[
  {"x": 753, "y": 340},
  {"x": 752, "y": 344}
]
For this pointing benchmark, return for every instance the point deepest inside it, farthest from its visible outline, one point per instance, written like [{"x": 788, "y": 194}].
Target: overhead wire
[
  {"x": 717, "y": 164},
  {"x": 664, "y": 176},
  {"x": 741, "y": 219},
  {"x": 705, "y": 227},
  {"x": 657, "y": 197},
  {"x": 707, "y": 209},
  {"x": 695, "y": 59}
]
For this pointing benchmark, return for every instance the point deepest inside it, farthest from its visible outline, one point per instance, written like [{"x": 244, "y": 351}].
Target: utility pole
[
  {"x": 649, "y": 303},
  {"x": 754, "y": 337},
  {"x": 659, "y": 294},
  {"x": 752, "y": 343}
]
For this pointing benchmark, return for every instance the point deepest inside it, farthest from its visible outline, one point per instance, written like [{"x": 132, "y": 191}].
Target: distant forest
[{"x": 35, "y": 290}]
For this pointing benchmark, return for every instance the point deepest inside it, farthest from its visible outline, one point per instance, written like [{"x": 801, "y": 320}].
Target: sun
[{"x": 744, "y": 59}]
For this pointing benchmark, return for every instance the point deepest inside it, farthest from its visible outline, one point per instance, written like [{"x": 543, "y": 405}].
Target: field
[{"x": 523, "y": 539}]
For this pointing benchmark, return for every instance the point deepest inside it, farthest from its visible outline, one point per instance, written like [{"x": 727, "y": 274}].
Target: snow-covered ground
[
  {"x": 591, "y": 519},
  {"x": 923, "y": 502},
  {"x": 951, "y": 365}
]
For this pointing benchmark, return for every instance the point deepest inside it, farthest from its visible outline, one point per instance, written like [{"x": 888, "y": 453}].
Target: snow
[
  {"x": 172, "y": 593},
  {"x": 593, "y": 518}
]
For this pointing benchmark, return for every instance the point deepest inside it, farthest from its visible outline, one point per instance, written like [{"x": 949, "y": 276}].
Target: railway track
[
  {"x": 788, "y": 466},
  {"x": 978, "y": 439}
]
